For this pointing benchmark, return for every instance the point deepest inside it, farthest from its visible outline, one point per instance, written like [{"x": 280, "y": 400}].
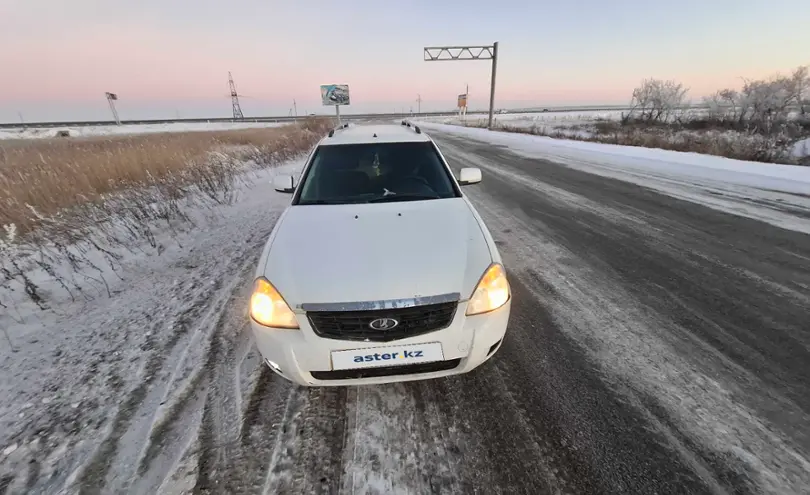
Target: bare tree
[
  {"x": 657, "y": 100},
  {"x": 724, "y": 105},
  {"x": 766, "y": 102},
  {"x": 801, "y": 87},
  {"x": 761, "y": 103}
]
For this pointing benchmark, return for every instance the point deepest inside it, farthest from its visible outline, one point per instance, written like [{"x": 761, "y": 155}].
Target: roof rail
[
  {"x": 342, "y": 126},
  {"x": 415, "y": 127}
]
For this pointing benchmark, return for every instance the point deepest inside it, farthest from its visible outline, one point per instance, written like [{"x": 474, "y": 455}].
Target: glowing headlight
[
  {"x": 268, "y": 308},
  {"x": 491, "y": 293}
]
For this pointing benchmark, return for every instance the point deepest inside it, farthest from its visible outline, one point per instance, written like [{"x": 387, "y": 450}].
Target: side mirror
[
  {"x": 469, "y": 176},
  {"x": 284, "y": 183}
]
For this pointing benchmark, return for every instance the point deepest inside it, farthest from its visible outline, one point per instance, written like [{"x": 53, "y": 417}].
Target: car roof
[{"x": 387, "y": 133}]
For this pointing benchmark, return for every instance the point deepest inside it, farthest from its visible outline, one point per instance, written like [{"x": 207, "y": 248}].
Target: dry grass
[
  {"x": 55, "y": 175},
  {"x": 69, "y": 208}
]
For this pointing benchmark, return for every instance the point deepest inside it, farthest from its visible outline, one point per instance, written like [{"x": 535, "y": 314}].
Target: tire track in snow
[
  {"x": 240, "y": 465},
  {"x": 101, "y": 468},
  {"x": 169, "y": 439},
  {"x": 145, "y": 440},
  {"x": 309, "y": 453},
  {"x": 285, "y": 442},
  {"x": 398, "y": 443},
  {"x": 167, "y": 404},
  {"x": 242, "y": 352}
]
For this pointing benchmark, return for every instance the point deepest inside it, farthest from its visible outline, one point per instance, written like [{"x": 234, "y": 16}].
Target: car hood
[{"x": 373, "y": 252}]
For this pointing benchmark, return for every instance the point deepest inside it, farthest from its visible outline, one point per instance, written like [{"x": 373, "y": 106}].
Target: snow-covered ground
[
  {"x": 96, "y": 369},
  {"x": 113, "y": 130},
  {"x": 778, "y": 194},
  {"x": 801, "y": 148},
  {"x": 582, "y": 125},
  {"x": 156, "y": 388},
  {"x": 543, "y": 122}
]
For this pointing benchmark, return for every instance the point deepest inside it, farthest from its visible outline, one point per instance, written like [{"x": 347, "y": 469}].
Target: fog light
[{"x": 273, "y": 366}]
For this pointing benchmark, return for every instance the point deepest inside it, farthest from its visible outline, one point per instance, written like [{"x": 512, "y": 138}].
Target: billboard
[
  {"x": 462, "y": 101},
  {"x": 335, "y": 94}
]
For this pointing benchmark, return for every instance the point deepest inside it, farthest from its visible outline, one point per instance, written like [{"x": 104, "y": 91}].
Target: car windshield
[{"x": 375, "y": 173}]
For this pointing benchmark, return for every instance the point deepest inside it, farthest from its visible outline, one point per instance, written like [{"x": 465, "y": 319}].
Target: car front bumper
[{"x": 297, "y": 354}]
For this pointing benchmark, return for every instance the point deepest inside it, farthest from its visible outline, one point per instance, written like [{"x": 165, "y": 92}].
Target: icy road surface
[{"x": 656, "y": 345}]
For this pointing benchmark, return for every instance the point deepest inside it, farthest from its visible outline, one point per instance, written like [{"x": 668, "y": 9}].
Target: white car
[{"x": 380, "y": 270}]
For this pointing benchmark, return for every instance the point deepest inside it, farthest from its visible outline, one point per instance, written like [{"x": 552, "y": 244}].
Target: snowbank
[
  {"x": 113, "y": 130},
  {"x": 801, "y": 148},
  {"x": 115, "y": 357},
  {"x": 547, "y": 121}
]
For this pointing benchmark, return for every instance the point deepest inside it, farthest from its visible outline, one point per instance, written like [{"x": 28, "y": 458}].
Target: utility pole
[
  {"x": 419, "y": 104},
  {"x": 111, "y": 99},
  {"x": 492, "y": 84},
  {"x": 466, "y": 101},
  {"x": 294, "y": 112},
  {"x": 447, "y": 53},
  {"x": 22, "y": 120},
  {"x": 237, "y": 108}
]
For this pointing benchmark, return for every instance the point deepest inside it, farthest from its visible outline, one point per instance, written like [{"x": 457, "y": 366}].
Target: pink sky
[{"x": 175, "y": 58}]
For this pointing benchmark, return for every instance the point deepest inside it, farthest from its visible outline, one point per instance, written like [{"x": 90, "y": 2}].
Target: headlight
[
  {"x": 268, "y": 308},
  {"x": 491, "y": 293}
]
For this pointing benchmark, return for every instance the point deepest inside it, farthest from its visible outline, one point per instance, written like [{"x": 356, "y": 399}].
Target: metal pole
[
  {"x": 114, "y": 112},
  {"x": 466, "y": 100},
  {"x": 295, "y": 106},
  {"x": 479, "y": 52},
  {"x": 492, "y": 85}
]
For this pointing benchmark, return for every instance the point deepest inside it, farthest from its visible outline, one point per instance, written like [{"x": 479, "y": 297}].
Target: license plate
[{"x": 374, "y": 357}]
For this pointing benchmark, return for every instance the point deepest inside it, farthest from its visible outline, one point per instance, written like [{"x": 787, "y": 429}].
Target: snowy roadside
[
  {"x": 569, "y": 123},
  {"x": 117, "y": 130},
  {"x": 86, "y": 372},
  {"x": 777, "y": 194}
]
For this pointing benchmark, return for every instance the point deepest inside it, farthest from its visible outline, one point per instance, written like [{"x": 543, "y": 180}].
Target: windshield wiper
[{"x": 402, "y": 197}]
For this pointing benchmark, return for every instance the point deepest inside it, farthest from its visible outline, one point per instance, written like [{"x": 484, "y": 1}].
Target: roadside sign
[
  {"x": 462, "y": 101},
  {"x": 335, "y": 94}
]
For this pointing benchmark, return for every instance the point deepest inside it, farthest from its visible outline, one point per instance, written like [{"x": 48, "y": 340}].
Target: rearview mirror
[
  {"x": 284, "y": 183},
  {"x": 469, "y": 176}
]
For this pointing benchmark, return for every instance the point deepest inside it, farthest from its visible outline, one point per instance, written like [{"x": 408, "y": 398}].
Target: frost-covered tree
[
  {"x": 766, "y": 102},
  {"x": 801, "y": 83},
  {"x": 724, "y": 105},
  {"x": 656, "y": 100},
  {"x": 762, "y": 103}
]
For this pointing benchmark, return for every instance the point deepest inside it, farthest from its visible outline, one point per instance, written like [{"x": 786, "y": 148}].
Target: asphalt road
[{"x": 655, "y": 346}]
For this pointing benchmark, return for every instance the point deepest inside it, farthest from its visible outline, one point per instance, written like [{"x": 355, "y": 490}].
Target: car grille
[
  {"x": 408, "y": 369},
  {"x": 354, "y": 325}
]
